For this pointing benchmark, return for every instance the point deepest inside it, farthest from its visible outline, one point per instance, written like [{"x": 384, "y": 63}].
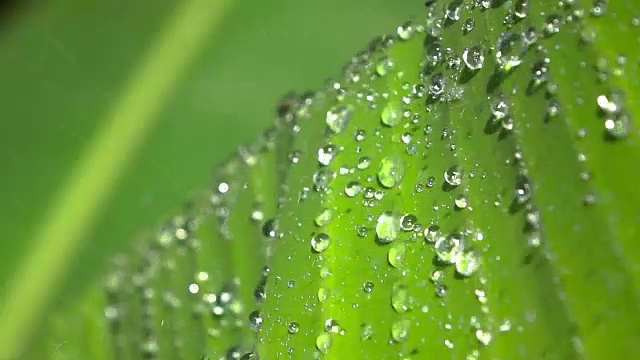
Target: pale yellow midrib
[{"x": 75, "y": 208}]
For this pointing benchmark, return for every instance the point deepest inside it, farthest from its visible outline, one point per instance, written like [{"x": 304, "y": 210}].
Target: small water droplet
[
  {"x": 353, "y": 188},
  {"x": 510, "y": 50},
  {"x": 293, "y": 327},
  {"x": 320, "y": 242},
  {"x": 255, "y": 321},
  {"x": 368, "y": 286},
  {"x": 453, "y": 175}
]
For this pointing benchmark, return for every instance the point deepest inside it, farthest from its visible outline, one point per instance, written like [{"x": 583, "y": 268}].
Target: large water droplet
[
  {"x": 392, "y": 114},
  {"x": 510, "y": 50},
  {"x": 453, "y": 175},
  {"x": 473, "y": 57},
  {"x": 324, "y": 342},
  {"x": 255, "y": 320},
  {"x": 338, "y": 118},
  {"x": 400, "y": 330},
  {"x": 449, "y": 249},
  {"x": 320, "y": 242},
  {"x": 468, "y": 263},
  {"x": 387, "y": 227},
  {"x": 397, "y": 255},
  {"x": 391, "y": 171}
]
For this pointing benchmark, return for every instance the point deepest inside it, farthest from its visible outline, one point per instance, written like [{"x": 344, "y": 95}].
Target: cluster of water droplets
[{"x": 373, "y": 164}]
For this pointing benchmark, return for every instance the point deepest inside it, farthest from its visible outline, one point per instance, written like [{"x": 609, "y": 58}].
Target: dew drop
[
  {"x": 324, "y": 218},
  {"x": 255, "y": 321},
  {"x": 408, "y": 222},
  {"x": 391, "y": 171},
  {"x": 406, "y": 31},
  {"x": 326, "y": 154},
  {"x": 449, "y": 249},
  {"x": 453, "y": 175},
  {"x": 431, "y": 233},
  {"x": 353, "y": 188},
  {"x": 468, "y": 263},
  {"x": 510, "y": 50},
  {"x": 320, "y": 242},
  {"x": 324, "y": 342},
  {"x": 520, "y": 8},
  {"x": 387, "y": 227},
  {"x": 293, "y": 327},
  {"x": 368, "y": 287},
  {"x": 338, "y": 118},
  {"x": 400, "y": 330},
  {"x": 473, "y": 57},
  {"x": 461, "y": 201},
  {"x": 392, "y": 114},
  {"x": 397, "y": 255}
]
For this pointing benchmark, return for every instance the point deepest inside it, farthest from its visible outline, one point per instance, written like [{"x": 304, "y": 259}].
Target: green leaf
[{"x": 464, "y": 191}]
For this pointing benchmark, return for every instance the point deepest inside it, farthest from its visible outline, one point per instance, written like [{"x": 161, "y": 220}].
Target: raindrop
[
  {"x": 431, "y": 233},
  {"x": 255, "y": 321},
  {"x": 408, "y": 222},
  {"x": 392, "y": 114},
  {"x": 468, "y": 263},
  {"x": 400, "y": 330},
  {"x": 453, "y": 175},
  {"x": 473, "y": 57},
  {"x": 449, "y": 249},
  {"x": 320, "y": 242},
  {"x": 324, "y": 218},
  {"x": 397, "y": 255},
  {"x": 391, "y": 171},
  {"x": 338, "y": 118},
  {"x": 324, "y": 342},
  {"x": 368, "y": 287},
  {"x": 510, "y": 50},
  {"x": 353, "y": 188},
  {"x": 461, "y": 201},
  {"x": 293, "y": 328},
  {"x": 520, "y": 8},
  {"x": 387, "y": 227},
  {"x": 326, "y": 154},
  {"x": 406, "y": 31}
]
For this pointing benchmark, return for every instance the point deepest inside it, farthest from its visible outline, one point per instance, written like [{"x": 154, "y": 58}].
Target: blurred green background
[{"x": 64, "y": 65}]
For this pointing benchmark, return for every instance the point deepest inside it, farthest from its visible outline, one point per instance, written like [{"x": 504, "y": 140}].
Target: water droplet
[
  {"x": 364, "y": 162},
  {"x": 473, "y": 57},
  {"x": 484, "y": 337},
  {"x": 523, "y": 189},
  {"x": 324, "y": 218},
  {"x": 387, "y": 227},
  {"x": 391, "y": 171},
  {"x": 368, "y": 287},
  {"x": 468, "y": 263},
  {"x": 510, "y": 50},
  {"x": 449, "y": 249},
  {"x": 442, "y": 290},
  {"x": 461, "y": 201},
  {"x": 353, "y": 188},
  {"x": 540, "y": 72},
  {"x": 431, "y": 233},
  {"x": 255, "y": 321},
  {"x": 453, "y": 175},
  {"x": 326, "y": 154},
  {"x": 384, "y": 66},
  {"x": 323, "y": 294},
  {"x": 392, "y": 114},
  {"x": 338, "y": 118},
  {"x": 397, "y": 255},
  {"x": 408, "y": 222},
  {"x": 619, "y": 126},
  {"x": 322, "y": 179},
  {"x": 500, "y": 108},
  {"x": 324, "y": 342},
  {"x": 520, "y": 8},
  {"x": 406, "y": 30},
  {"x": 400, "y": 330},
  {"x": 270, "y": 228},
  {"x": 366, "y": 331},
  {"x": 320, "y": 242},
  {"x": 431, "y": 181},
  {"x": 552, "y": 25},
  {"x": 293, "y": 328}
]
